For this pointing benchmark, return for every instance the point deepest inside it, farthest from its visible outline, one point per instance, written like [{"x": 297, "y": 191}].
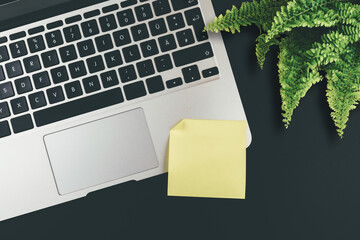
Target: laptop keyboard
[{"x": 125, "y": 52}]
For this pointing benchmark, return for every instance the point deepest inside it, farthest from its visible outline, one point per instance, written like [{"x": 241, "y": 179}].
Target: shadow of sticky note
[{"x": 207, "y": 158}]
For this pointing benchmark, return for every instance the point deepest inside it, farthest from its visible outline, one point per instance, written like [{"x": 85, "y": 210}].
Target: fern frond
[
  {"x": 353, "y": 32},
  {"x": 259, "y": 13},
  {"x": 296, "y": 77},
  {"x": 303, "y": 13},
  {"x": 263, "y": 47},
  {"x": 329, "y": 50},
  {"x": 343, "y": 90},
  {"x": 348, "y": 13}
]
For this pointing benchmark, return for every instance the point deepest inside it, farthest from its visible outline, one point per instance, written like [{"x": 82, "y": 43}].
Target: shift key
[{"x": 193, "y": 54}]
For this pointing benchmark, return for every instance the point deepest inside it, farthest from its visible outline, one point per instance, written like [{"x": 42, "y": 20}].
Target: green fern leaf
[
  {"x": 344, "y": 87},
  {"x": 262, "y": 47},
  {"x": 303, "y": 13},
  {"x": 259, "y": 13},
  {"x": 327, "y": 51},
  {"x": 295, "y": 76}
]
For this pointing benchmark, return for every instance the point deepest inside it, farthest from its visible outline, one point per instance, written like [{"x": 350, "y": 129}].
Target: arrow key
[{"x": 191, "y": 73}]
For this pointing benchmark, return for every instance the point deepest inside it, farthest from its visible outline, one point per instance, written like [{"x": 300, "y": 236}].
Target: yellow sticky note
[{"x": 207, "y": 158}]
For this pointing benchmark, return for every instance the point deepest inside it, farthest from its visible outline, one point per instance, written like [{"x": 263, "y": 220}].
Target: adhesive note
[{"x": 207, "y": 158}]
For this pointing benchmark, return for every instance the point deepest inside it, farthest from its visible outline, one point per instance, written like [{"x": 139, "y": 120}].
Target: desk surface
[{"x": 302, "y": 183}]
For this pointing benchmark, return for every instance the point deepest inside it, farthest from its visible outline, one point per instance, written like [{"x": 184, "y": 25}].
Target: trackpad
[{"x": 101, "y": 151}]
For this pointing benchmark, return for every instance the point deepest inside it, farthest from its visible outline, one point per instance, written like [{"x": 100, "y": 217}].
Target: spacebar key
[
  {"x": 193, "y": 54},
  {"x": 78, "y": 107}
]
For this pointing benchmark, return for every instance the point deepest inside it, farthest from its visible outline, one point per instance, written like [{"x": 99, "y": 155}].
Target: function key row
[{"x": 143, "y": 12}]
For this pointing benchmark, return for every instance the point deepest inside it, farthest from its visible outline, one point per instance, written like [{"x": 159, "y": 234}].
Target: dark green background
[{"x": 302, "y": 183}]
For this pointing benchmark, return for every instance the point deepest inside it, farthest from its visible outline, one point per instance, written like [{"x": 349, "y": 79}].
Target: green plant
[{"x": 318, "y": 39}]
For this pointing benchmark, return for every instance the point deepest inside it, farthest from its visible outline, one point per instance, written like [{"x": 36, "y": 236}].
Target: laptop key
[
  {"x": 77, "y": 69},
  {"x": 127, "y": 73},
  {"x": 145, "y": 68},
  {"x": 95, "y": 64},
  {"x": 126, "y": 17},
  {"x": 3, "y": 40},
  {"x": 86, "y": 48},
  {"x": 54, "y": 39},
  {"x": 32, "y": 64},
  {"x": 91, "y": 84},
  {"x": 18, "y": 49},
  {"x": 2, "y": 74},
  {"x": 23, "y": 85},
  {"x": 72, "y": 33},
  {"x": 55, "y": 95},
  {"x": 22, "y": 123},
  {"x": 14, "y": 69},
  {"x": 37, "y": 100},
  {"x": 174, "y": 83},
  {"x": 131, "y": 53},
  {"x": 36, "y": 30},
  {"x": 161, "y": 7},
  {"x": 50, "y": 58},
  {"x": 59, "y": 74},
  {"x": 192, "y": 54},
  {"x": 73, "y": 89},
  {"x": 53, "y": 25},
  {"x": 73, "y": 19},
  {"x": 175, "y": 21},
  {"x": 4, "y": 110},
  {"x": 41, "y": 80},
  {"x": 185, "y": 37},
  {"x": 110, "y": 8},
  {"x": 6, "y": 90},
  {"x": 90, "y": 28},
  {"x": 194, "y": 18},
  {"x": 68, "y": 53},
  {"x": 19, "y": 105},
  {"x": 155, "y": 84},
  {"x": 157, "y": 27},
  {"x": 36, "y": 44},
  {"x": 4, "y": 129},
  {"x": 167, "y": 43},
  {"x": 128, "y": 3},
  {"x": 92, "y": 13},
  {"x": 139, "y": 32},
  {"x": 78, "y": 107},
  {"x": 143, "y": 12},
  {"x": 109, "y": 79},
  {"x": 122, "y": 37},
  {"x": 108, "y": 23},
  {"x": 149, "y": 48},
  {"x": 210, "y": 72},
  {"x": 135, "y": 90},
  {"x": 181, "y": 4},
  {"x": 113, "y": 59},
  {"x": 191, "y": 73},
  {"x": 17, "y": 35},
  {"x": 4, "y": 55},
  {"x": 104, "y": 43},
  {"x": 163, "y": 63}
]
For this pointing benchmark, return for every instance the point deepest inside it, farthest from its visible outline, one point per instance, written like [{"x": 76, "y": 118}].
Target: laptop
[{"x": 88, "y": 97}]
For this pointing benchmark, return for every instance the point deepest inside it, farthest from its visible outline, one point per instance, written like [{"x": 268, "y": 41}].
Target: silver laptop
[{"x": 87, "y": 98}]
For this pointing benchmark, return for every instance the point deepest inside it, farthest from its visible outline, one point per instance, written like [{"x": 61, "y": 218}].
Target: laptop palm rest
[{"x": 100, "y": 151}]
